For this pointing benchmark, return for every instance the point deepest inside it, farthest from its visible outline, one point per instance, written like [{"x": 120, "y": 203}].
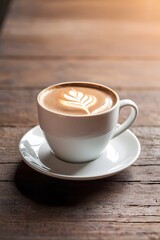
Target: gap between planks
[{"x": 77, "y": 58}]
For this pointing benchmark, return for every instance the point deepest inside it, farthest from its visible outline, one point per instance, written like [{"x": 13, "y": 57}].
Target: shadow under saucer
[{"x": 58, "y": 192}]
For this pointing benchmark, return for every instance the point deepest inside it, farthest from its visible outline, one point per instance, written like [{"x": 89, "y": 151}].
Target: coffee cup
[{"x": 78, "y": 119}]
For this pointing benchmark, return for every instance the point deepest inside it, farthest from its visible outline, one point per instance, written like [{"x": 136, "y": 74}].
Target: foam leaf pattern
[{"x": 77, "y": 99}]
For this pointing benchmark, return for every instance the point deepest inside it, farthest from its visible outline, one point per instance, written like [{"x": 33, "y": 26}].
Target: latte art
[{"x": 78, "y": 99}]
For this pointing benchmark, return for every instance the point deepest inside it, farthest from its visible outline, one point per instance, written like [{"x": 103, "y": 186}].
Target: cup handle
[{"x": 131, "y": 118}]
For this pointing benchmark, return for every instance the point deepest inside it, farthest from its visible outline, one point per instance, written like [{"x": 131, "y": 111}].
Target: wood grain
[
  {"x": 120, "y": 74},
  {"x": 89, "y": 38},
  {"x": 98, "y": 201},
  {"x": 82, "y": 230},
  {"x": 63, "y": 35},
  {"x": 135, "y": 173},
  {"x": 133, "y": 10}
]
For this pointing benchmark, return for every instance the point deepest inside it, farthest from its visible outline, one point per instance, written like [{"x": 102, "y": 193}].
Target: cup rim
[{"x": 76, "y": 115}]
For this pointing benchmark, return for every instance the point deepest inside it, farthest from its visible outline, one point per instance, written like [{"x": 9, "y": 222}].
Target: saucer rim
[{"x": 50, "y": 173}]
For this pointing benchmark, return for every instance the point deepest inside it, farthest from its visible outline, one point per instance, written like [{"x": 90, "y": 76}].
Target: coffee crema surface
[{"x": 78, "y": 99}]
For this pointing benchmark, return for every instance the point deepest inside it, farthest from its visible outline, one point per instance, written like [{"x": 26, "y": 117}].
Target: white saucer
[{"x": 121, "y": 152}]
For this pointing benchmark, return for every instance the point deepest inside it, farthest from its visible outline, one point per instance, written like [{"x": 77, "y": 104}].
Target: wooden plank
[
  {"x": 54, "y": 230},
  {"x": 82, "y": 29},
  {"x": 90, "y": 231},
  {"x": 150, "y": 145},
  {"x": 9, "y": 141},
  {"x": 80, "y": 38},
  {"x": 68, "y": 201},
  {"x": 137, "y": 10},
  {"x": 135, "y": 173},
  {"x": 116, "y": 74},
  {"x": 18, "y": 108}
]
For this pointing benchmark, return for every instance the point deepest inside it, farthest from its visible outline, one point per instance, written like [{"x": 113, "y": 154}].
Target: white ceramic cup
[{"x": 83, "y": 138}]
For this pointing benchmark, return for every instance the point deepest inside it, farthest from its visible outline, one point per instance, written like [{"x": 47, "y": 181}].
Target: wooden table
[{"x": 116, "y": 43}]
